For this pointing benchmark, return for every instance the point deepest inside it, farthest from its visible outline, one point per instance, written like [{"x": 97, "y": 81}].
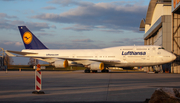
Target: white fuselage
[{"x": 123, "y": 56}]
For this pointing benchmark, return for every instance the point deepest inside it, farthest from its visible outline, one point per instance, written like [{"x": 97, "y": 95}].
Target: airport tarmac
[{"x": 77, "y": 86}]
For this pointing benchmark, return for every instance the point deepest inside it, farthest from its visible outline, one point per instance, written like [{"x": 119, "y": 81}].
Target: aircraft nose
[{"x": 173, "y": 57}]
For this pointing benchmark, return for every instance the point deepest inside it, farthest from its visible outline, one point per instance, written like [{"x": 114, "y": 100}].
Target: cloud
[
  {"x": 8, "y": 0},
  {"x": 74, "y": 45},
  {"x": 53, "y": 26},
  {"x": 78, "y": 27},
  {"x": 113, "y": 30},
  {"x": 37, "y": 26},
  {"x": 4, "y": 24},
  {"x": 3, "y": 15},
  {"x": 18, "y": 43},
  {"x": 110, "y": 15},
  {"x": 71, "y": 2},
  {"x": 8, "y": 43},
  {"x": 128, "y": 41},
  {"x": 7, "y": 23},
  {"x": 119, "y": 42},
  {"x": 83, "y": 40},
  {"x": 49, "y": 8},
  {"x": 44, "y": 34},
  {"x": 12, "y": 43}
]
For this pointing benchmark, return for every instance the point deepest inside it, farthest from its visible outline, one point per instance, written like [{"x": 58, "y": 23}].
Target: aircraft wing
[
  {"x": 106, "y": 61},
  {"x": 9, "y": 53},
  {"x": 97, "y": 60},
  {"x": 53, "y": 59}
]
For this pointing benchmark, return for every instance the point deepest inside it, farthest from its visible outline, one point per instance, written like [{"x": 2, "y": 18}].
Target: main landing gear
[
  {"x": 87, "y": 70},
  {"x": 105, "y": 71}
]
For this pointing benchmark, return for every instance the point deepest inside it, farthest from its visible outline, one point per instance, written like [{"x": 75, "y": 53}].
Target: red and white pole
[{"x": 38, "y": 81}]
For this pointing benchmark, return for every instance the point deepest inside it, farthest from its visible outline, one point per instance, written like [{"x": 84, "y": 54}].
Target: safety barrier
[{"x": 38, "y": 81}]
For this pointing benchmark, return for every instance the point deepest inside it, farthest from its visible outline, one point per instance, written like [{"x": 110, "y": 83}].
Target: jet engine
[
  {"x": 61, "y": 64},
  {"x": 96, "y": 66}
]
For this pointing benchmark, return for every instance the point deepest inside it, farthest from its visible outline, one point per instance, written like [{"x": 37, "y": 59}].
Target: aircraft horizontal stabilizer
[{"x": 9, "y": 54}]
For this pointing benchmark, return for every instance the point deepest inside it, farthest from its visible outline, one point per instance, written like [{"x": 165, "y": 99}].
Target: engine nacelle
[
  {"x": 97, "y": 66},
  {"x": 61, "y": 64}
]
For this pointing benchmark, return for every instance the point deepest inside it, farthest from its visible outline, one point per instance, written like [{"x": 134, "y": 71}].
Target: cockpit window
[{"x": 160, "y": 48}]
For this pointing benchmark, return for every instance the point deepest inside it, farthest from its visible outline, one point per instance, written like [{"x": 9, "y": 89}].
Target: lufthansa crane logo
[{"x": 27, "y": 37}]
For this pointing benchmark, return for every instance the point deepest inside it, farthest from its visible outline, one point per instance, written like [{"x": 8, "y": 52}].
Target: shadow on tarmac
[
  {"x": 71, "y": 102},
  {"x": 118, "y": 72},
  {"x": 166, "y": 86}
]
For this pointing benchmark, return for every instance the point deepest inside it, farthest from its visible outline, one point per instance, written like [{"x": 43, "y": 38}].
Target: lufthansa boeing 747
[{"x": 92, "y": 59}]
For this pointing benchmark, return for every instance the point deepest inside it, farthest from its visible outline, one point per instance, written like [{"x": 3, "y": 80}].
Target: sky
[{"x": 72, "y": 24}]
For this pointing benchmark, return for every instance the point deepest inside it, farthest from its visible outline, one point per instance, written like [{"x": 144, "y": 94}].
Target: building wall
[
  {"x": 158, "y": 38},
  {"x": 162, "y": 36},
  {"x": 166, "y": 35}
]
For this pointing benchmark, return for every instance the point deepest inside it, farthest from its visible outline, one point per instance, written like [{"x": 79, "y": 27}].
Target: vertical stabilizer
[{"x": 29, "y": 39}]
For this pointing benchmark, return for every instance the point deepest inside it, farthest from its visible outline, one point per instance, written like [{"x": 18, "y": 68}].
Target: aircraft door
[
  {"x": 122, "y": 56},
  {"x": 153, "y": 56},
  {"x": 147, "y": 55},
  {"x": 73, "y": 56}
]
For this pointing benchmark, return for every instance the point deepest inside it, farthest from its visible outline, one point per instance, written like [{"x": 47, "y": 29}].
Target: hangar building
[
  {"x": 176, "y": 34},
  {"x": 161, "y": 28}
]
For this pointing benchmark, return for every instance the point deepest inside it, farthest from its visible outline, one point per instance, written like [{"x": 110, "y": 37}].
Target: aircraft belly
[{"x": 136, "y": 64}]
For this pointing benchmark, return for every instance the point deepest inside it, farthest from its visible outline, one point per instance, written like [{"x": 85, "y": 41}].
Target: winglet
[{"x": 30, "y": 40}]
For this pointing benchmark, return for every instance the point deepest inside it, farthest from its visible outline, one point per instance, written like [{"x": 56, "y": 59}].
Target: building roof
[
  {"x": 151, "y": 8},
  {"x": 150, "y": 11},
  {"x": 142, "y": 25}
]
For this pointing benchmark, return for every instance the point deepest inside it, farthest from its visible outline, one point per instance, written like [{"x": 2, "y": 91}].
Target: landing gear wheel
[
  {"x": 87, "y": 71},
  {"x": 105, "y": 71},
  {"x": 102, "y": 71},
  {"x": 94, "y": 71}
]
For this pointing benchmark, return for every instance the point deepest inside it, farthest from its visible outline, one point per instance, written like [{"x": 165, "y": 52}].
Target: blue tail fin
[{"x": 30, "y": 40}]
